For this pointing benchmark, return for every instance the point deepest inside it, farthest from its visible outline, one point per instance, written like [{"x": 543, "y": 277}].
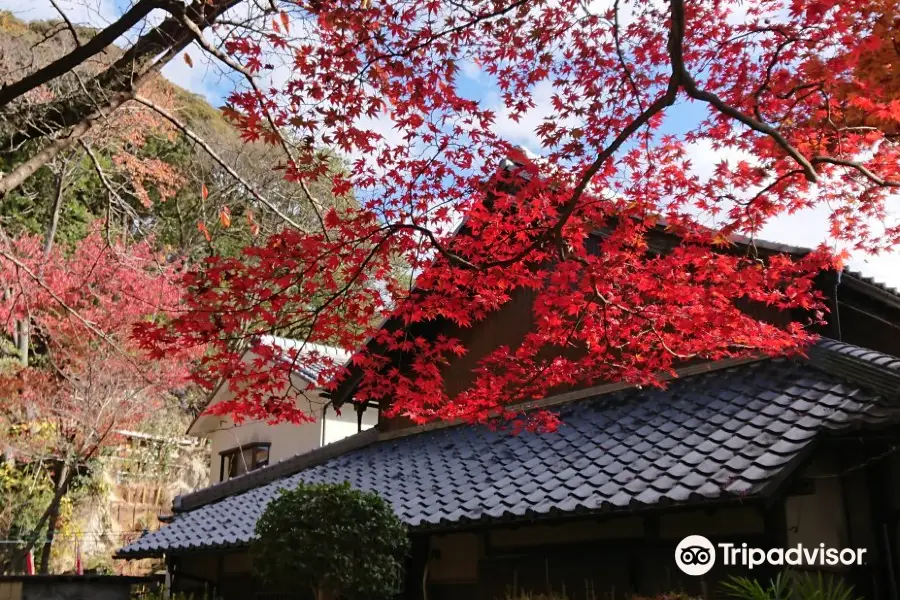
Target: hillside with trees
[
  {"x": 169, "y": 164},
  {"x": 91, "y": 243}
]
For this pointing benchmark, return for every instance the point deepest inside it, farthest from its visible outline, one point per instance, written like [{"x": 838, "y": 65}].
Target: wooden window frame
[{"x": 225, "y": 456}]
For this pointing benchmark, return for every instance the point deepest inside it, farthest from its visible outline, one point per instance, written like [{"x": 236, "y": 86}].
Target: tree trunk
[
  {"x": 23, "y": 327},
  {"x": 60, "y": 492},
  {"x": 23, "y": 337},
  {"x": 7, "y": 294},
  {"x": 26, "y": 169},
  {"x": 54, "y": 215},
  {"x": 61, "y": 486},
  {"x": 67, "y": 474}
]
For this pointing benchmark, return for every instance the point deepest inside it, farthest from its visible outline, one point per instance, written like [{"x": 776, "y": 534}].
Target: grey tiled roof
[
  {"x": 873, "y": 358},
  {"x": 874, "y": 370},
  {"x": 726, "y": 434},
  {"x": 872, "y": 281},
  {"x": 307, "y": 368}
]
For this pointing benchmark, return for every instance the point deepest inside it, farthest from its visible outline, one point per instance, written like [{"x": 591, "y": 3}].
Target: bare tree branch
[
  {"x": 105, "y": 180},
  {"x": 215, "y": 156},
  {"x": 70, "y": 60},
  {"x": 621, "y": 55},
  {"x": 316, "y": 204},
  {"x": 68, "y": 23},
  {"x": 143, "y": 60},
  {"x": 54, "y": 213},
  {"x": 23, "y": 171}
]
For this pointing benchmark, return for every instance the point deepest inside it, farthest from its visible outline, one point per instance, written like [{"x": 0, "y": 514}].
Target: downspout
[
  {"x": 836, "y": 325},
  {"x": 324, "y": 411},
  {"x": 169, "y": 583},
  {"x": 876, "y": 474},
  {"x": 220, "y": 575}
]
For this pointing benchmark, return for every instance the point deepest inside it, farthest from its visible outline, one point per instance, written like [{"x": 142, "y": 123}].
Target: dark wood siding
[{"x": 859, "y": 313}]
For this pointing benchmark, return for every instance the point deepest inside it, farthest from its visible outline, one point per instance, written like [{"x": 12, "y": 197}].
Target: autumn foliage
[
  {"x": 779, "y": 83},
  {"x": 86, "y": 380}
]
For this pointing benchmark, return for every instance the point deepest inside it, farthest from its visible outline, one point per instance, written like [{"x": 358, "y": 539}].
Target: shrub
[{"x": 339, "y": 542}]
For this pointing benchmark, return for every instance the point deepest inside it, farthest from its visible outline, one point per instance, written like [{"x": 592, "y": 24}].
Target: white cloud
[
  {"x": 523, "y": 131},
  {"x": 627, "y": 13},
  {"x": 383, "y": 125},
  {"x": 809, "y": 228},
  {"x": 472, "y": 71},
  {"x": 883, "y": 268},
  {"x": 704, "y": 157}
]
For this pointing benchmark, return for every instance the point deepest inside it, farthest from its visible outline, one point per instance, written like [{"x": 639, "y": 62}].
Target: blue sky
[{"x": 807, "y": 228}]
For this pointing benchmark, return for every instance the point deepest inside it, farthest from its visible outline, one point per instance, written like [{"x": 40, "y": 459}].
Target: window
[{"x": 243, "y": 459}]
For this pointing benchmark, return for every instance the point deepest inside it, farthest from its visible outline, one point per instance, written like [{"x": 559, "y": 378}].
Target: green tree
[{"x": 341, "y": 543}]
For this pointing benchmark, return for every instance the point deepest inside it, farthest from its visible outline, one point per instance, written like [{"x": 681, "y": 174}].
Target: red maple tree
[
  {"x": 779, "y": 82},
  {"x": 86, "y": 380}
]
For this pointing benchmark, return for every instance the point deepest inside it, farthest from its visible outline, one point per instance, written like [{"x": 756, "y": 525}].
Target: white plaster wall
[
  {"x": 286, "y": 439},
  {"x": 338, "y": 427},
  {"x": 819, "y": 517}
]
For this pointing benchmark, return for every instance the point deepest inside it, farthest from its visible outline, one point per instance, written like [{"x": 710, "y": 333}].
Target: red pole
[
  {"x": 79, "y": 568},
  {"x": 29, "y": 562}
]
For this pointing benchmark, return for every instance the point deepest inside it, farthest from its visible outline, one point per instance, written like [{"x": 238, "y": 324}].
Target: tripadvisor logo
[{"x": 696, "y": 555}]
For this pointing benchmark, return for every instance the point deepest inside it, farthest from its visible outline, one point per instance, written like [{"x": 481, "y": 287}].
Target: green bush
[{"x": 341, "y": 543}]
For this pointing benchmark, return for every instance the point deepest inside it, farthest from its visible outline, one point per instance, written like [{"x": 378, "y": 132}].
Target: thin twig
[
  {"x": 229, "y": 61},
  {"x": 68, "y": 22},
  {"x": 105, "y": 181},
  {"x": 215, "y": 156},
  {"x": 621, "y": 54}
]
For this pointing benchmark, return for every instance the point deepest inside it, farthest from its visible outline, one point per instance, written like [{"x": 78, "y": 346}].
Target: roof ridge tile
[{"x": 871, "y": 369}]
